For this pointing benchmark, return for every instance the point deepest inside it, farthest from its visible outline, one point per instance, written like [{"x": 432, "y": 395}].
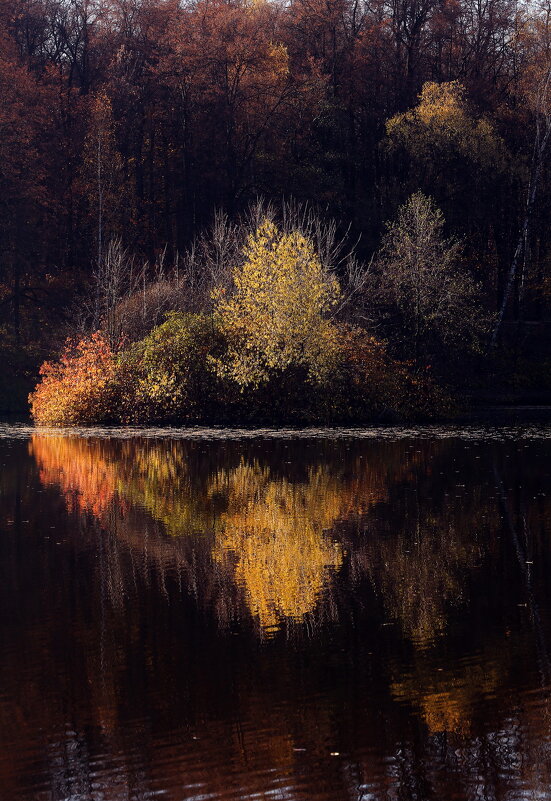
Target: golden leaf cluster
[{"x": 277, "y": 315}]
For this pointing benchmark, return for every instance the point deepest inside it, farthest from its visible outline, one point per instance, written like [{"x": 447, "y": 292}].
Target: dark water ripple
[
  {"x": 318, "y": 614},
  {"x": 494, "y": 432}
]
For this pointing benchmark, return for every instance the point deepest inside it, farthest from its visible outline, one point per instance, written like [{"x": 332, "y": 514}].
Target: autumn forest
[{"x": 201, "y": 201}]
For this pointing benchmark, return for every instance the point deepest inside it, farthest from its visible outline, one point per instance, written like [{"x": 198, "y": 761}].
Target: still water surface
[{"x": 346, "y": 615}]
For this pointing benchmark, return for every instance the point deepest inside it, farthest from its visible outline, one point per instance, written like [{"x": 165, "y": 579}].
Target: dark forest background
[{"x": 138, "y": 119}]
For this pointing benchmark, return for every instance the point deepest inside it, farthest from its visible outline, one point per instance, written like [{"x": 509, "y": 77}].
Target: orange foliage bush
[
  {"x": 78, "y": 387},
  {"x": 165, "y": 377}
]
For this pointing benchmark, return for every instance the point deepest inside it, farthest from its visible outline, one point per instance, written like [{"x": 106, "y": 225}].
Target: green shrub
[{"x": 167, "y": 375}]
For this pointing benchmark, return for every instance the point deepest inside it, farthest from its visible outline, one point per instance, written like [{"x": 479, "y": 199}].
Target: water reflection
[
  {"x": 280, "y": 524},
  {"x": 286, "y": 619},
  {"x": 276, "y": 527}
]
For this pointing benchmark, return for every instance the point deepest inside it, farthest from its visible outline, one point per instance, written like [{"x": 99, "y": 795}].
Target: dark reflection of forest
[{"x": 215, "y": 619}]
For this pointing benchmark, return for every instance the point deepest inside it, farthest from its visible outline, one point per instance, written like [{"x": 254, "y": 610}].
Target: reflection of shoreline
[
  {"x": 277, "y": 525},
  {"x": 271, "y": 532},
  {"x": 160, "y": 700}
]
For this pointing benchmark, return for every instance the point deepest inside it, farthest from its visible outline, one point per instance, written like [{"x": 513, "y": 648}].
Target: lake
[{"x": 325, "y": 614}]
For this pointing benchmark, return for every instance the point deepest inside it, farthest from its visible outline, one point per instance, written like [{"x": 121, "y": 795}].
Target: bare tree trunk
[
  {"x": 100, "y": 200},
  {"x": 16, "y": 302},
  {"x": 543, "y": 132}
]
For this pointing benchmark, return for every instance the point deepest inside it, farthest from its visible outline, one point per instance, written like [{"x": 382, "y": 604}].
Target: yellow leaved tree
[
  {"x": 442, "y": 128},
  {"x": 277, "y": 315}
]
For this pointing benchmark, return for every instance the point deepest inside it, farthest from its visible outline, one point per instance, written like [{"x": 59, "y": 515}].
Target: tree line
[{"x": 135, "y": 121}]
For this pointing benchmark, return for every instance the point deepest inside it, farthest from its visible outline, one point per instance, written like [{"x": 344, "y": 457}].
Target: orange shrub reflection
[
  {"x": 274, "y": 535},
  {"x": 83, "y": 472}
]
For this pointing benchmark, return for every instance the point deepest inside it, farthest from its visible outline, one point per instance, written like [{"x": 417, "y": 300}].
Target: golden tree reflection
[
  {"x": 446, "y": 697},
  {"x": 168, "y": 542},
  {"x": 276, "y": 531},
  {"x": 421, "y": 572},
  {"x": 280, "y": 527},
  {"x": 272, "y": 533}
]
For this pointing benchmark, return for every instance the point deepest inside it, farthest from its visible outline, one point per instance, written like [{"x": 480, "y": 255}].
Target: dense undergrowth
[
  {"x": 171, "y": 375},
  {"x": 274, "y": 336}
]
